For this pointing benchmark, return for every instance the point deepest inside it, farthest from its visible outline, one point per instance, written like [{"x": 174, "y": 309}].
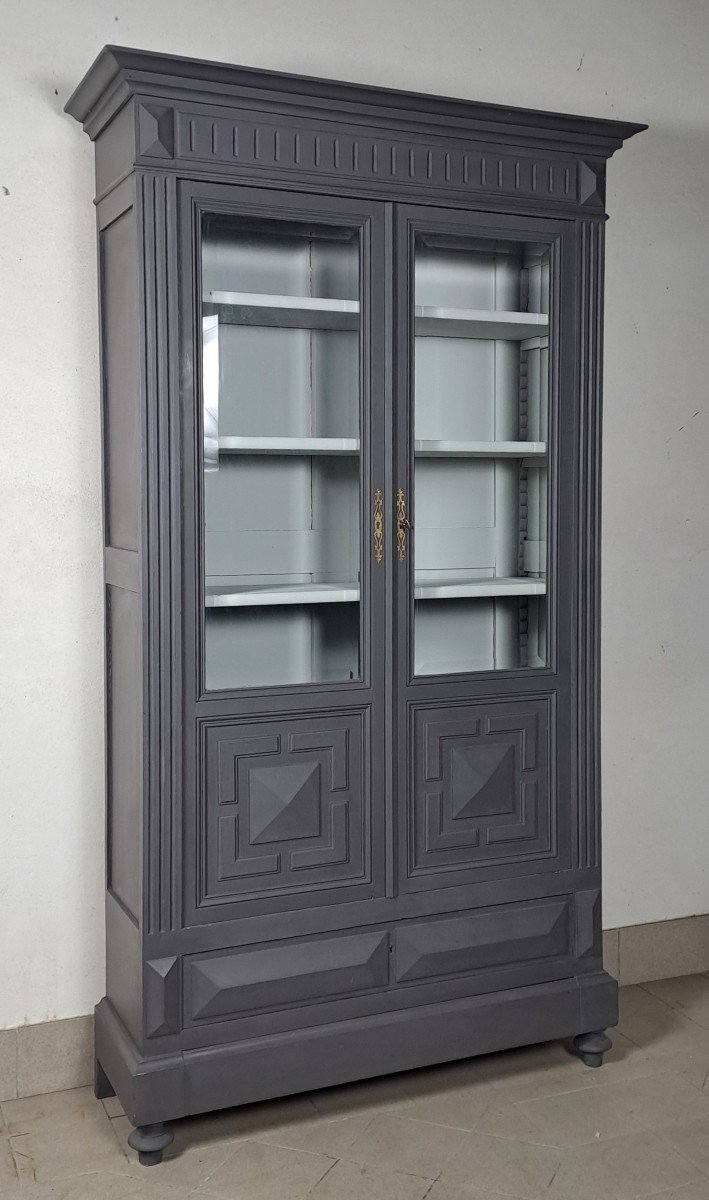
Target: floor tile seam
[
  {"x": 587, "y": 1087},
  {"x": 417, "y": 1121},
  {"x": 213, "y": 1171},
  {"x": 412, "y": 1174},
  {"x": 48, "y": 1123},
  {"x": 682, "y": 1155},
  {"x": 119, "y": 1143},
  {"x": 317, "y": 1183},
  {"x": 671, "y": 1191},
  {"x": 274, "y": 1141},
  {"x": 670, "y": 1006},
  {"x": 234, "y": 1147}
]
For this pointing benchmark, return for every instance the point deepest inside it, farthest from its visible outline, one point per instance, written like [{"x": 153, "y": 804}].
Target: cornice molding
[{"x": 119, "y": 73}]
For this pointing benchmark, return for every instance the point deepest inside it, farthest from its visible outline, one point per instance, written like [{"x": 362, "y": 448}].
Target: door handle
[
  {"x": 403, "y": 525},
  {"x": 378, "y": 526}
]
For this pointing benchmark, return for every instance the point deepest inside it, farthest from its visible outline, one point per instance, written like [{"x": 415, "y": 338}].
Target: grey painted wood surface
[{"x": 312, "y": 882}]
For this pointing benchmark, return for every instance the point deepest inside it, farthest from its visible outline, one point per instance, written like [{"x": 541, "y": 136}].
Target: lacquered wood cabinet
[{"x": 351, "y": 383}]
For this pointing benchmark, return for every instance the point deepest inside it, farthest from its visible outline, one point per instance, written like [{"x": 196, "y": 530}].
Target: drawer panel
[
  {"x": 492, "y": 937},
  {"x": 240, "y": 981}
]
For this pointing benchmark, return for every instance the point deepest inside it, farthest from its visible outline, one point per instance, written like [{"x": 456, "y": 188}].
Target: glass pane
[
  {"x": 480, "y": 444},
  {"x": 281, "y": 392}
]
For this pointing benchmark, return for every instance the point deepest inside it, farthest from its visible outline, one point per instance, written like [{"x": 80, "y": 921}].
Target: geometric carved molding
[
  {"x": 588, "y": 922},
  {"x": 284, "y": 806},
  {"x": 492, "y": 937},
  {"x": 481, "y": 787},
  {"x": 317, "y": 148},
  {"x": 284, "y": 803},
  {"x": 156, "y": 131},
  {"x": 482, "y": 781},
  {"x": 591, "y": 184},
  {"x": 240, "y": 981},
  {"x": 162, "y": 996}
]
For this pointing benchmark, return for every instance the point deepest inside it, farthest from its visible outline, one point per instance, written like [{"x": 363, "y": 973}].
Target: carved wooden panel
[
  {"x": 492, "y": 937},
  {"x": 245, "y": 980},
  {"x": 481, "y": 791},
  {"x": 285, "y": 808}
]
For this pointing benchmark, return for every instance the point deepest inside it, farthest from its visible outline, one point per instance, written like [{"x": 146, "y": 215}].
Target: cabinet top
[{"x": 119, "y": 73}]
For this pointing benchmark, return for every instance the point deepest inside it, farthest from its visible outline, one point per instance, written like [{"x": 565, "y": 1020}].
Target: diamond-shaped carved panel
[
  {"x": 284, "y": 808},
  {"x": 482, "y": 781},
  {"x": 156, "y": 131},
  {"x": 481, "y": 794},
  {"x": 284, "y": 803}
]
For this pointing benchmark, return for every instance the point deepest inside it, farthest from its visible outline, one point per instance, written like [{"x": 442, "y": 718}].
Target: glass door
[
  {"x": 287, "y": 481},
  {"x": 478, "y": 451},
  {"x": 487, "y": 564}
]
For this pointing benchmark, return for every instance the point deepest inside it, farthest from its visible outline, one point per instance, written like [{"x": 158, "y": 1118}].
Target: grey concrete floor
[{"x": 534, "y": 1124}]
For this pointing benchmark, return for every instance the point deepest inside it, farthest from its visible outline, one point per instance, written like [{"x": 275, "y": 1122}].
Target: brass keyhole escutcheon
[
  {"x": 378, "y": 526},
  {"x": 403, "y": 525}
]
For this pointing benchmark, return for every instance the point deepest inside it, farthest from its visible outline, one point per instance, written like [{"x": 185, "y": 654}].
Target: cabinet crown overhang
[{"x": 120, "y": 73}]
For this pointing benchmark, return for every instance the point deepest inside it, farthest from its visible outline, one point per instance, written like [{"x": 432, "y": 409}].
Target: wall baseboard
[
  {"x": 658, "y": 950},
  {"x": 58, "y": 1055}
]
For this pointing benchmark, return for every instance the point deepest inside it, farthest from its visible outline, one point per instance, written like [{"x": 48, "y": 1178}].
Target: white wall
[{"x": 641, "y": 60}]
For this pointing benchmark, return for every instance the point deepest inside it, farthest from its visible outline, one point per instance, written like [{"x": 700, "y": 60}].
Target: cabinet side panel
[
  {"x": 119, "y": 341},
  {"x": 124, "y": 748},
  {"x": 124, "y": 733}
]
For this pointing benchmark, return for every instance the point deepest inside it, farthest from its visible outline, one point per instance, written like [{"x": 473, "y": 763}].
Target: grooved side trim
[{"x": 590, "y": 275}]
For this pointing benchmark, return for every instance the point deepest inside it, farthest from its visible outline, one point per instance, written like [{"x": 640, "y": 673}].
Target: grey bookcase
[{"x": 351, "y": 381}]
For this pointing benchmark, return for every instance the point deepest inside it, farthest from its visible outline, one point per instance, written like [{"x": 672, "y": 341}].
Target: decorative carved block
[
  {"x": 284, "y": 805},
  {"x": 588, "y": 922},
  {"x": 156, "y": 131},
  {"x": 592, "y": 184},
  {"x": 481, "y": 791},
  {"x": 162, "y": 996}
]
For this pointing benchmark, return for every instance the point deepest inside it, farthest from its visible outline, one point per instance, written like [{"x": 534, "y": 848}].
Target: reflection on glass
[
  {"x": 480, "y": 442},
  {"x": 281, "y": 427}
]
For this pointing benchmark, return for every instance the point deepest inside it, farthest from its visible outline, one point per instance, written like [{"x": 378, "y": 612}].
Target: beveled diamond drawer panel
[
  {"x": 239, "y": 981},
  {"x": 493, "y": 937}
]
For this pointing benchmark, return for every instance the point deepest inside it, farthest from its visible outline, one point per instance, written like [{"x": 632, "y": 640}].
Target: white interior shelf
[
  {"x": 423, "y": 448},
  {"x": 455, "y": 589},
  {"x": 450, "y": 449},
  {"x": 254, "y": 595},
  {"x": 478, "y": 323},
  {"x": 285, "y": 312},
  {"x": 250, "y": 595},
  {"x": 288, "y": 445}
]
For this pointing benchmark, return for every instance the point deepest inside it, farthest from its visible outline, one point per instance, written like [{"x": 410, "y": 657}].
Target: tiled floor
[{"x": 532, "y": 1124}]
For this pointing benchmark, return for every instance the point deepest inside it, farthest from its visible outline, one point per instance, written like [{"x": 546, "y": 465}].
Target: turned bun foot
[
  {"x": 150, "y": 1141},
  {"x": 591, "y": 1047}
]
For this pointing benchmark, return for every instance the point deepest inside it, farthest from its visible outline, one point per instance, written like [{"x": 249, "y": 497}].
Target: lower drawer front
[
  {"x": 237, "y": 982},
  {"x": 493, "y": 937},
  {"x": 274, "y": 976}
]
